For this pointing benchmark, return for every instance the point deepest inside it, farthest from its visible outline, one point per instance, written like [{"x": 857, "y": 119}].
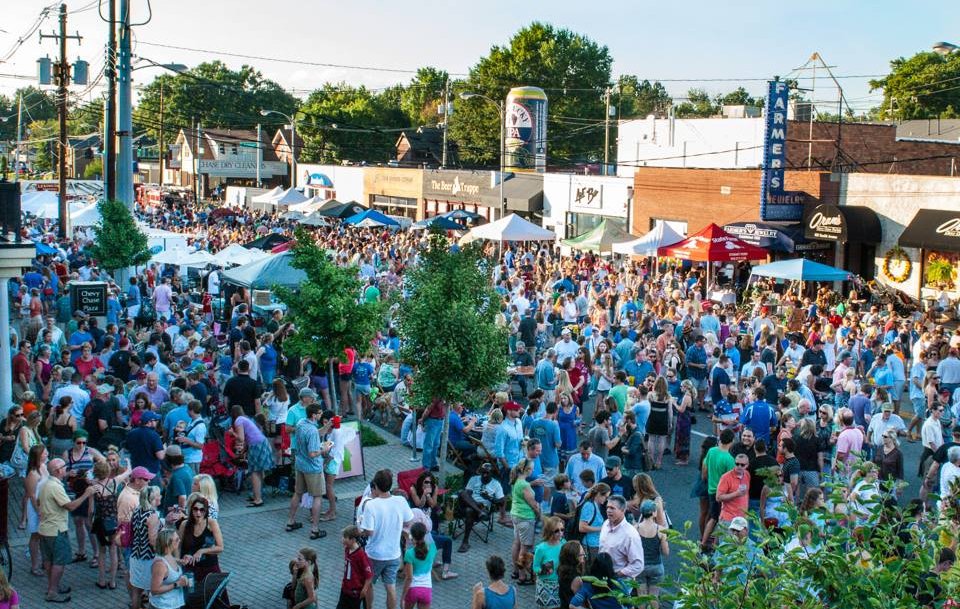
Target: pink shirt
[
  {"x": 13, "y": 601},
  {"x": 162, "y": 297},
  {"x": 622, "y": 543},
  {"x": 849, "y": 441}
]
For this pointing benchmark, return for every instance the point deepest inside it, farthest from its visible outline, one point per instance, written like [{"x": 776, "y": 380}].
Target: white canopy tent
[
  {"x": 174, "y": 255},
  {"x": 661, "y": 236},
  {"x": 237, "y": 254},
  {"x": 309, "y": 206},
  {"x": 290, "y": 196},
  {"x": 268, "y": 196},
  {"x": 198, "y": 258},
  {"x": 46, "y": 204},
  {"x": 88, "y": 216},
  {"x": 510, "y": 228}
]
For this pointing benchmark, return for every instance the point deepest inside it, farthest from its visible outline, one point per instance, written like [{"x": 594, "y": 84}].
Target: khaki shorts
[
  {"x": 310, "y": 484},
  {"x": 524, "y": 530}
]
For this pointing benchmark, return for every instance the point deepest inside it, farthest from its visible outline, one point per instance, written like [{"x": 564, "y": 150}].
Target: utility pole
[
  {"x": 196, "y": 168},
  {"x": 62, "y": 71},
  {"x": 606, "y": 131},
  {"x": 259, "y": 154},
  {"x": 110, "y": 108},
  {"x": 125, "y": 111},
  {"x": 446, "y": 120},
  {"x": 16, "y": 158},
  {"x": 163, "y": 151}
]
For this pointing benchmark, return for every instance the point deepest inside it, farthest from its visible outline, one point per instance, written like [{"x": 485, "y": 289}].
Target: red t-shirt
[
  {"x": 21, "y": 365},
  {"x": 357, "y": 570},
  {"x": 728, "y": 484}
]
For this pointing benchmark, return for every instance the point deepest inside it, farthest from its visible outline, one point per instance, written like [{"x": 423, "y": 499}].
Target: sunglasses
[{"x": 742, "y": 464}]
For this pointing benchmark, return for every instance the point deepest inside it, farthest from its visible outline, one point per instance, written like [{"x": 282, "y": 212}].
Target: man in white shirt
[
  {"x": 77, "y": 393},
  {"x": 949, "y": 474},
  {"x": 793, "y": 352},
  {"x": 754, "y": 364},
  {"x": 620, "y": 540},
  {"x": 931, "y": 436},
  {"x": 884, "y": 423},
  {"x": 382, "y": 519},
  {"x": 566, "y": 347}
]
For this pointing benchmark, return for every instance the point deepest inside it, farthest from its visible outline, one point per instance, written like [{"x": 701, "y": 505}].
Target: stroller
[
  {"x": 211, "y": 594},
  {"x": 222, "y": 456}
]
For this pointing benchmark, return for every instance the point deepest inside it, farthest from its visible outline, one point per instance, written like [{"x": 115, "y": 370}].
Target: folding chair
[{"x": 481, "y": 528}]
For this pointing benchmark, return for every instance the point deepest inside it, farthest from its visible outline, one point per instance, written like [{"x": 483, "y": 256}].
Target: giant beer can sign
[{"x": 525, "y": 138}]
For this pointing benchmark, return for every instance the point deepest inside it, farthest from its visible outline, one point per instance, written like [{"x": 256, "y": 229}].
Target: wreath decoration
[{"x": 896, "y": 258}]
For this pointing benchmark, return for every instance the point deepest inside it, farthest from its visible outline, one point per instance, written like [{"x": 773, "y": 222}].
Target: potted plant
[{"x": 940, "y": 272}]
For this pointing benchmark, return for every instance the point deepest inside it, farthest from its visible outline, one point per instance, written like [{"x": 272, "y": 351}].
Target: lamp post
[
  {"x": 293, "y": 141},
  {"x": 944, "y": 48},
  {"x": 499, "y": 106}
]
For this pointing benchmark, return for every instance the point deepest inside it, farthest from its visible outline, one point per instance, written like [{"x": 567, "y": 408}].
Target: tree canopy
[
  {"x": 213, "y": 94},
  {"x": 923, "y": 86},
  {"x": 572, "y": 69},
  {"x": 118, "y": 241}
]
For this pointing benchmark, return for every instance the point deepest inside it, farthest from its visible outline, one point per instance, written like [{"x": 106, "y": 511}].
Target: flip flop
[
  {"x": 102, "y": 586},
  {"x": 252, "y": 504},
  {"x": 318, "y": 534},
  {"x": 327, "y": 518},
  {"x": 294, "y": 526}
]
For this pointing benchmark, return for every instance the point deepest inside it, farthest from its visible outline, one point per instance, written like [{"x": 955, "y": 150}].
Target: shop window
[
  {"x": 935, "y": 255},
  {"x": 578, "y": 224}
]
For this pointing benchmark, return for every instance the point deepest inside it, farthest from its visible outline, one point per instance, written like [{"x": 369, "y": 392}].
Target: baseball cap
[
  {"x": 887, "y": 407},
  {"x": 105, "y": 388},
  {"x": 512, "y": 406},
  {"x": 199, "y": 350},
  {"x": 173, "y": 451},
  {"x": 738, "y": 524},
  {"x": 306, "y": 392},
  {"x": 148, "y": 416},
  {"x": 613, "y": 462},
  {"x": 142, "y": 472},
  {"x": 565, "y": 331},
  {"x": 486, "y": 467}
]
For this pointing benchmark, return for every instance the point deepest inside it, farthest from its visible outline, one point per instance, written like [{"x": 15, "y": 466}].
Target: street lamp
[
  {"x": 499, "y": 106},
  {"x": 944, "y": 48},
  {"x": 293, "y": 141}
]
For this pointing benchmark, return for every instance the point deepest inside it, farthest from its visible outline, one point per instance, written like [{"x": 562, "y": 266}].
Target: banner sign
[
  {"x": 89, "y": 297},
  {"x": 776, "y": 203}
]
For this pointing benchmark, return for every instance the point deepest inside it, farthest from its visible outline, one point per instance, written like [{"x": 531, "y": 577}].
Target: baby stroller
[
  {"x": 211, "y": 594},
  {"x": 222, "y": 458}
]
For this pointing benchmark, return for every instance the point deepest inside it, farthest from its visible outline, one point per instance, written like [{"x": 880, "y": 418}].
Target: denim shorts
[
  {"x": 385, "y": 570},
  {"x": 651, "y": 575}
]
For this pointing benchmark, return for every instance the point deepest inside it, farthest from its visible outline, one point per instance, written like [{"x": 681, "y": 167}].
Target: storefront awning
[
  {"x": 843, "y": 224},
  {"x": 933, "y": 229},
  {"x": 524, "y": 193}
]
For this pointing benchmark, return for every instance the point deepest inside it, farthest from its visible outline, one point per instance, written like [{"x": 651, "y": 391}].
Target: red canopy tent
[{"x": 712, "y": 244}]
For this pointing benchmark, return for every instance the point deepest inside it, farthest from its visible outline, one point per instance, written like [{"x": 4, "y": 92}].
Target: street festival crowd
[{"x": 129, "y": 429}]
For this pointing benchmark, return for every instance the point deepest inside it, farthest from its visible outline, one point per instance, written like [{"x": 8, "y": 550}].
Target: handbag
[{"x": 126, "y": 533}]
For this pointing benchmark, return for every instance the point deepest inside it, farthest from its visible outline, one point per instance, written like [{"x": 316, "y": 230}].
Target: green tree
[
  {"x": 572, "y": 69},
  {"x": 325, "y": 308},
  {"x": 923, "y": 86},
  {"x": 447, "y": 325},
  {"x": 118, "y": 242},
  {"x": 635, "y": 98},
  {"x": 341, "y": 122},
  {"x": 42, "y": 135},
  {"x": 213, "y": 94},
  {"x": 94, "y": 169},
  {"x": 697, "y": 105},
  {"x": 86, "y": 118},
  {"x": 738, "y": 97},
  {"x": 421, "y": 98}
]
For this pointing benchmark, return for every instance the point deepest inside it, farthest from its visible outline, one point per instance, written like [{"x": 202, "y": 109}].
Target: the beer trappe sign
[
  {"x": 775, "y": 202},
  {"x": 89, "y": 297}
]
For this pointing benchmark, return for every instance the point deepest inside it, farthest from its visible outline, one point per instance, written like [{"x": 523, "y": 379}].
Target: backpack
[{"x": 572, "y": 528}]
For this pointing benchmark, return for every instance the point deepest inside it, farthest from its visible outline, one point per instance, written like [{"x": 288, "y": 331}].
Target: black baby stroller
[{"x": 211, "y": 594}]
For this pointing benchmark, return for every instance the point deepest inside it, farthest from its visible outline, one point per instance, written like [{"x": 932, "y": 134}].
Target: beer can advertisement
[{"x": 525, "y": 137}]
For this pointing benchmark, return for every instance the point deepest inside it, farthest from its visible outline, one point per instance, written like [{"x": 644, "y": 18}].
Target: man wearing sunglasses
[{"x": 732, "y": 491}]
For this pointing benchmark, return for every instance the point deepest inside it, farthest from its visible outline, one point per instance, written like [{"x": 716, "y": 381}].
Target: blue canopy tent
[
  {"x": 438, "y": 222},
  {"x": 45, "y": 250},
  {"x": 801, "y": 269},
  {"x": 371, "y": 218},
  {"x": 461, "y": 214}
]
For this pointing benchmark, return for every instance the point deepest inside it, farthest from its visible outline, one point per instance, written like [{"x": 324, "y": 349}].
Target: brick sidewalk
[{"x": 257, "y": 550}]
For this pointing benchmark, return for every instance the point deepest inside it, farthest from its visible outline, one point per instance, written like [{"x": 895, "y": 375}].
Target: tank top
[
  {"x": 82, "y": 464},
  {"x": 106, "y": 505},
  {"x": 62, "y": 431},
  {"x": 651, "y": 550},
  {"x": 657, "y": 421},
  {"x": 141, "y": 548},
  {"x": 495, "y": 600},
  {"x": 190, "y": 544},
  {"x": 171, "y": 599}
]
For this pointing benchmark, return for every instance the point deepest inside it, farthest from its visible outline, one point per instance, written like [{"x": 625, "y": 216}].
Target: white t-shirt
[
  {"x": 931, "y": 434},
  {"x": 385, "y": 517},
  {"x": 948, "y": 475}
]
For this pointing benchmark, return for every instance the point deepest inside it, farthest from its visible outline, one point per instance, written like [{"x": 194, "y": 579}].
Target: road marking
[{"x": 699, "y": 433}]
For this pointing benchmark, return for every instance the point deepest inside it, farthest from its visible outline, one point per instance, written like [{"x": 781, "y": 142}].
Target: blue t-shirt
[
  {"x": 143, "y": 444},
  {"x": 362, "y": 373},
  {"x": 456, "y": 427},
  {"x": 78, "y": 338},
  {"x": 720, "y": 377},
  {"x": 180, "y": 484},
  {"x": 759, "y": 417},
  {"x": 548, "y": 432},
  {"x": 638, "y": 370},
  {"x": 536, "y": 474},
  {"x": 593, "y": 516}
]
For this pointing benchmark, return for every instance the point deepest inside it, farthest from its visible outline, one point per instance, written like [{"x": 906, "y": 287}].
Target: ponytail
[{"x": 518, "y": 470}]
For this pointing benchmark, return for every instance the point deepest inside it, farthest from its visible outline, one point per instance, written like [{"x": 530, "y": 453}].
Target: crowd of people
[{"x": 613, "y": 364}]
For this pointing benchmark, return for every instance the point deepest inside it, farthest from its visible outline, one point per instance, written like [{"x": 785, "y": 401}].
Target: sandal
[
  {"x": 94, "y": 562},
  {"x": 449, "y": 575},
  {"x": 294, "y": 526},
  {"x": 102, "y": 586},
  {"x": 79, "y": 557},
  {"x": 112, "y": 585},
  {"x": 254, "y": 504},
  {"x": 318, "y": 534},
  {"x": 38, "y": 572}
]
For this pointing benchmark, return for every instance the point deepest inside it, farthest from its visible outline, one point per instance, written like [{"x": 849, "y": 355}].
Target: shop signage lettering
[
  {"x": 826, "y": 223},
  {"x": 240, "y": 168},
  {"x": 91, "y": 298},
  {"x": 585, "y": 195},
  {"x": 751, "y": 230},
  {"x": 950, "y": 228},
  {"x": 456, "y": 187},
  {"x": 775, "y": 202}
]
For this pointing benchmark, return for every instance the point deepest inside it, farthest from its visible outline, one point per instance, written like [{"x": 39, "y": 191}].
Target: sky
[{"x": 717, "y": 46}]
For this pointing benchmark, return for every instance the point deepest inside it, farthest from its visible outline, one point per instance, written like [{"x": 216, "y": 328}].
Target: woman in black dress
[{"x": 659, "y": 421}]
